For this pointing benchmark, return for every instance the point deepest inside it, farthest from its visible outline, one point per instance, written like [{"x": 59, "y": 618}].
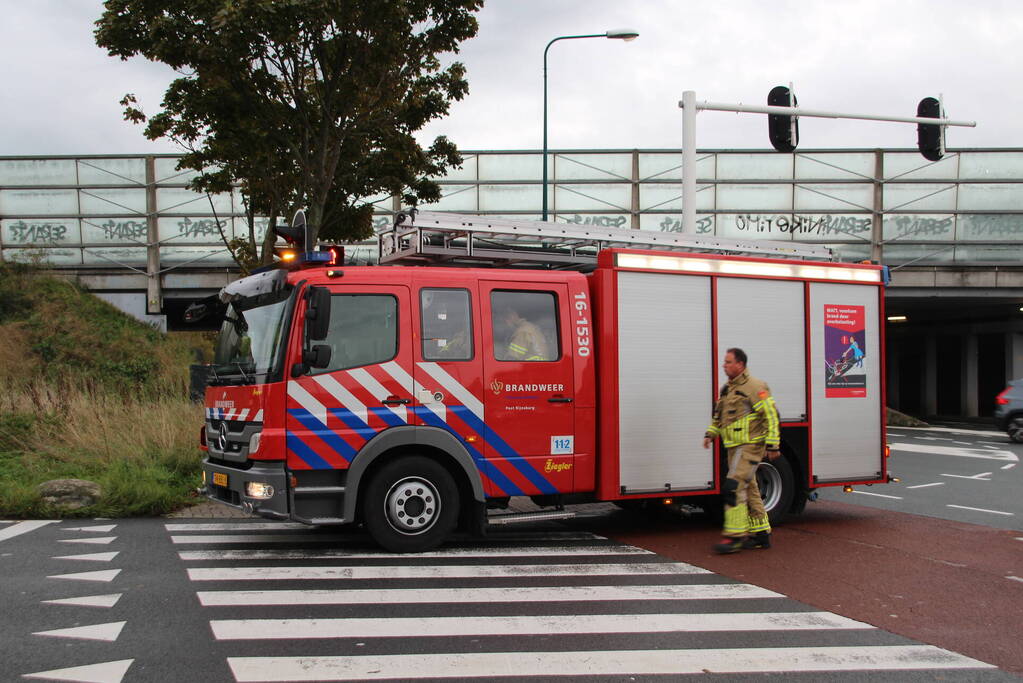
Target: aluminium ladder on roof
[{"x": 424, "y": 237}]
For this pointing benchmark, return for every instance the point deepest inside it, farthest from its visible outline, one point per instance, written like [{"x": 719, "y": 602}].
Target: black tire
[
  {"x": 777, "y": 487},
  {"x": 1015, "y": 429},
  {"x": 410, "y": 505}
]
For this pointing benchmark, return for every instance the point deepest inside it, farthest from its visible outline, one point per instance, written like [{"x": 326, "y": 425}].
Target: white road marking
[
  {"x": 472, "y": 665},
  {"x": 962, "y": 443},
  {"x": 216, "y": 539},
  {"x": 485, "y": 551},
  {"x": 104, "y": 529},
  {"x": 922, "y": 486},
  {"x": 956, "y": 451},
  {"x": 978, "y": 477},
  {"x": 993, "y": 512},
  {"x": 104, "y": 575},
  {"x": 877, "y": 495},
  {"x": 103, "y": 540},
  {"x": 20, "y": 528},
  {"x": 91, "y": 557},
  {"x": 399, "y": 627},
  {"x": 108, "y": 600},
  {"x": 1009, "y": 466},
  {"x": 106, "y": 672},
  {"x": 483, "y": 595},
  {"x": 928, "y": 438},
  {"x": 108, "y": 632},
  {"x": 996, "y": 443},
  {"x": 523, "y": 571},
  {"x": 1014, "y": 578},
  {"x": 238, "y": 526},
  {"x": 953, "y": 430}
]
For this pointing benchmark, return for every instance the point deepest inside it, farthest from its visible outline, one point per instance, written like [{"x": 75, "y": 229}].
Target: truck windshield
[{"x": 249, "y": 347}]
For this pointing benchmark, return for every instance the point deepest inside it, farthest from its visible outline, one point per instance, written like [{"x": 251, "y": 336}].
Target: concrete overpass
[{"x": 130, "y": 229}]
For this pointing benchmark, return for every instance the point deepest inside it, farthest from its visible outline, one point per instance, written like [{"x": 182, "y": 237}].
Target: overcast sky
[{"x": 60, "y": 92}]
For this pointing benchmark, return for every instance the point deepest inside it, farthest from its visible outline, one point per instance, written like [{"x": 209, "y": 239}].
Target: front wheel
[
  {"x": 411, "y": 505},
  {"x": 777, "y": 487}
]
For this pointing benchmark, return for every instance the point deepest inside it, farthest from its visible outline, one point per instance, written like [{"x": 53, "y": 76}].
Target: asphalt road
[
  {"x": 246, "y": 600},
  {"x": 958, "y": 473}
]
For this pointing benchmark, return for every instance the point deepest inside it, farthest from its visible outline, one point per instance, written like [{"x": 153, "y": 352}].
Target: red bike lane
[{"x": 941, "y": 582}]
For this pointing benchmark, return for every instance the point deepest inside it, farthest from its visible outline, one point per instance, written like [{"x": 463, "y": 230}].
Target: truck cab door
[
  {"x": 528, "y": 386},
  {"x": 367, "y": 385}
]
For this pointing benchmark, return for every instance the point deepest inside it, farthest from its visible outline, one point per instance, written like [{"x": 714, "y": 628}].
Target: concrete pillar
[
  {"x": 154, "y": 295},
  {"x": 969, "y": 385},
  {"x": 1013, "y": 355},
  {"x": 930, "y": 378}
]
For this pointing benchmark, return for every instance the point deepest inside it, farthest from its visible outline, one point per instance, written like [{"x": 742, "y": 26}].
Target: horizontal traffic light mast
[{"x": 783, "y": 129}]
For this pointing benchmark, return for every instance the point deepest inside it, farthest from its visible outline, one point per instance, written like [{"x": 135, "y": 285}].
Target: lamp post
[{"x": 618, "y": 34}]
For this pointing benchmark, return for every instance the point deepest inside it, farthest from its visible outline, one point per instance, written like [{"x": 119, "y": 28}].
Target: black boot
[
  {"x": 728, "y": 545},
  {"x": 761, "y": 540}
]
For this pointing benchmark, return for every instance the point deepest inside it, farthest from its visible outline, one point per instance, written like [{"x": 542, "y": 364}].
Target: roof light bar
[{"x": 755, "y": 268}]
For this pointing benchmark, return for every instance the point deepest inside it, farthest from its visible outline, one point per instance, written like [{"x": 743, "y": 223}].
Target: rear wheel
[
  {"x": 777, "y": 487},
  {"x": 1015, "y": 429},
  {"x": 411, "y": 505}
]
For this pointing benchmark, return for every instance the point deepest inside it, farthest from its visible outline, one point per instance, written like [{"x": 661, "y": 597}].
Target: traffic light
[
  {"x": 930, "y": 137},
  {"x": 783, "y": 130}
]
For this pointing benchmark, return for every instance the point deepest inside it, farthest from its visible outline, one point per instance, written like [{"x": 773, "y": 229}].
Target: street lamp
[{"x": 618, "y": 34}]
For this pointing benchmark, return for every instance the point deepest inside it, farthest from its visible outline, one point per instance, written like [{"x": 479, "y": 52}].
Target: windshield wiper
[{"x": 241, "y": 369}]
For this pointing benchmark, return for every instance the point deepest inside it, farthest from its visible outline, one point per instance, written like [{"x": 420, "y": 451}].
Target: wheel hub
[
  {"x": 769, "y": 482},
  {"x": 412, "y": 505}
]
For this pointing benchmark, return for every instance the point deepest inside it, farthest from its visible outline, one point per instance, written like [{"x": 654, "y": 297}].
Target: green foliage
[
  {"x": 311, "y": 103},
  {"x": 89, "y": 392}
]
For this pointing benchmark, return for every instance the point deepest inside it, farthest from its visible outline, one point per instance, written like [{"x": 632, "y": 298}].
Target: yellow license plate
[{"x": 219, "y": 479}]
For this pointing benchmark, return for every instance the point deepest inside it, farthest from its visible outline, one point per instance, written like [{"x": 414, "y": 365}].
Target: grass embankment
[{"x": 90, "y": 393}]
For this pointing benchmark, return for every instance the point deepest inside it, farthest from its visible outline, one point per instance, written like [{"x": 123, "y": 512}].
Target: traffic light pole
[{"x": 690, "y": 107}]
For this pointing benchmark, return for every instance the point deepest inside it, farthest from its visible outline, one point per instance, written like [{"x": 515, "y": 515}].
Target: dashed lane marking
[
  {"x": 539, "y": 594},
  {"x": 978, "y": 477},
  {"x": 103, "y": 529},
  {"x": 20, "y": 528},
  {"x": 953, "y": 430},
  {"x": 877, "y": 495},
  {"x": 91, "y": 557},
  {"x": 472, "y": 665},
  {"x": 956, "y": 451},
  {"x": 923, "y": 486},
  {"x": 103, "y": 540},
  {"x": 522, "y": 571},
  {"x": 104, "y": 575},
  {"x": 993, "y": 512},
  {"x": 1009, "y": 466},
  {"x": 399, "y": 627},
  {"x": 108, "y": 600},
  {"x": 105, "y": 672},
  {"x": 486, "y": 551},
  {"x": 108, "y": 632},
  {"x": 1014, "y": 578}
]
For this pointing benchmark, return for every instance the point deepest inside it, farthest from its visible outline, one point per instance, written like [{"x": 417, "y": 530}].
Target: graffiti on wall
[
  {"x": 704, "y": 225},
  {"x": 22, "y": 232}
]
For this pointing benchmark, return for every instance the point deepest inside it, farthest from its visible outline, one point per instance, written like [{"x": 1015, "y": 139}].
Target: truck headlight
[{"x": 257, "y": 489}]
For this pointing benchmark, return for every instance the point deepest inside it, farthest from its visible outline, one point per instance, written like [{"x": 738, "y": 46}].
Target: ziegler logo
[
  {"x": 497, "y": 386},
  {"x": 552, "y": 466}
]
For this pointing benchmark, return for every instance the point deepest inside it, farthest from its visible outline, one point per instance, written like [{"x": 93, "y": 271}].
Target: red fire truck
[{"x": 421, "y": 395}]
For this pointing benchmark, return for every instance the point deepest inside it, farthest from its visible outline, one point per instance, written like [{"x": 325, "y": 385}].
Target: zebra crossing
[{"x": 289, "y": 603}]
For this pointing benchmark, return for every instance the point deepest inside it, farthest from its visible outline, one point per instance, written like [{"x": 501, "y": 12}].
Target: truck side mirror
[
  {"x": 317, "y": 357},
  {"x": 317, "y": 313}
]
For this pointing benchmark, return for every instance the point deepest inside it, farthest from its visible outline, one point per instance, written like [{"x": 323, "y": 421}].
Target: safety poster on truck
[{"x": 844, "y": 352}]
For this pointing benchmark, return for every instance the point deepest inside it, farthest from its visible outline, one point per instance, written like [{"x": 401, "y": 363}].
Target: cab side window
[
  {"x": 525, "y": 325},
  {"x": 446, "y": 324},
  {"x": 363, "y": 330}
]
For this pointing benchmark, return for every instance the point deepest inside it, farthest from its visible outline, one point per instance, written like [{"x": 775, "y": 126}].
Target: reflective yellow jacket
[{"x": 745, "y": 413}]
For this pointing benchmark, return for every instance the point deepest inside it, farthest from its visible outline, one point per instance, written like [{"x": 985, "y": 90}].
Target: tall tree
[{"x": 302, "y": 102}]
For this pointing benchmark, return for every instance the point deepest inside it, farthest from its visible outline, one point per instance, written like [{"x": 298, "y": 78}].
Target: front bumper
[{"x": 274, "y": 474}]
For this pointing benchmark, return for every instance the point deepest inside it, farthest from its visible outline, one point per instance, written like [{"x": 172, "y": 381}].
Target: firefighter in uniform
[
  {"x": 746, "y": 420},
  {"x": 527, "y": 341}
]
